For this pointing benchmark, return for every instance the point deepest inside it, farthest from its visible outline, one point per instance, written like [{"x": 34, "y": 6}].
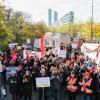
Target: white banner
[
  {"x": 43, "y": 82},
  {"x": 29, "y": 53},
  {"x": 92, "y": 50}
]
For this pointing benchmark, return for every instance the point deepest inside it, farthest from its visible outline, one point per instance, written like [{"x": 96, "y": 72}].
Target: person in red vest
[
  {"x": 87, "y": 87},
  {"x": 72, "y": 86}
]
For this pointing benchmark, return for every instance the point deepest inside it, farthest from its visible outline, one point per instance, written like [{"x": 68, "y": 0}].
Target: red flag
[
  {"x": 14, "y": 55},
  {"x": 43, "y": 50}
]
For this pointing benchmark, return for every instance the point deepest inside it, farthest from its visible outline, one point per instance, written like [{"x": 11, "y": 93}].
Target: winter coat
[
  {"x": 13, "y": 85},
  {"x": 97, "y": 83},
  {"x": 27, "y": 86},
  {"x": 56, "y": 81}
]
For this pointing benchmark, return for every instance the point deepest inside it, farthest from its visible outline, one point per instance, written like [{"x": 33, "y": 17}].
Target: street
[{"x": 35, "y": 96}]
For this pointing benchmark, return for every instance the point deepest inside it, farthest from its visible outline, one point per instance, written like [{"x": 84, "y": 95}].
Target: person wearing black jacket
[
  {"x": 42, "y": 91},
  {"x": 14, "y": 85},
  {"x": 27, "y": 85},
  {"x": 20, "y": 74},
  {"x": 97, "y": 85},
  {"x": 56, "y": 83}
]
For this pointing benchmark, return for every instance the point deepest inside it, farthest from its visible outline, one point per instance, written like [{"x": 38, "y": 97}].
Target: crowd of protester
[{"x": 76, "y": 74}]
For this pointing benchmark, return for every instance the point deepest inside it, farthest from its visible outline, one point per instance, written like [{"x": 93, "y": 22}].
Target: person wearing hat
[
  {"x": 72, "y": 86},
  {"x": 56, "y": 82},
  {"x": 14, "y": 85},
  {"x": 87, "y": 87}
]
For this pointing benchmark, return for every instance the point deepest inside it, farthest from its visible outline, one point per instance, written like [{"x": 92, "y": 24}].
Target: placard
[
  {"x": 28, "y": 41},
  {"x": 37, "y": 43},
  {"x": 74, "y": 45},
  {"x": 62, "y": 53},
  {"x": 43, "y": 82},
  {"x": 0, "y": 66}
]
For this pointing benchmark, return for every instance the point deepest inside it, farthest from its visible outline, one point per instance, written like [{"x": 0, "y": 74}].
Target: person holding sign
[{"x": 42, "y": 90}]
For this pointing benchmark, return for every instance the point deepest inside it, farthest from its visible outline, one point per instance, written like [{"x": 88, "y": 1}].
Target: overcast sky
[{"x": 39, "y": 8}]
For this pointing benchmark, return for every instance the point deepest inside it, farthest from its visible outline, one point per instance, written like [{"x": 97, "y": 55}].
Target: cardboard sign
[{"x": 43, "y": 82}]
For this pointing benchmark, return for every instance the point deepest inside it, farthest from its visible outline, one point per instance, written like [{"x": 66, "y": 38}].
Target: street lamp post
[{"x": 92, "y": 20}]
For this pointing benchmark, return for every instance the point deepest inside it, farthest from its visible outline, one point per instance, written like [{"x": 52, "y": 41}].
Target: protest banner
[
  {"x": 9, "y": 69},
  {"x": 43, "y": 82},
  {"x": 92, "y": 50},
  {"x": 29, "y": 53}
]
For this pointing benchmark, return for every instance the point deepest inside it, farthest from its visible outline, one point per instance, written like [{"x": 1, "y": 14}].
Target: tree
[{"x": 6, "y": 35}]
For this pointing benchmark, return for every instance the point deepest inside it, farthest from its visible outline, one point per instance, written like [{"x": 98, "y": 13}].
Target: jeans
[{"x": 86, "y": 97}]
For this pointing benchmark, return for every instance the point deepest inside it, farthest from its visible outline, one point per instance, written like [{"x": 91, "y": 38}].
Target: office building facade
[{"x": 52, "y": 17}]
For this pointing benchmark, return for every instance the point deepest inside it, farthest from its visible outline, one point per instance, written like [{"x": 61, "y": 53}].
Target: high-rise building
[
  {"x": 55, "y": 18},
  {"x": 52, "y": 17},
  {"x": 68, "y": 18}
]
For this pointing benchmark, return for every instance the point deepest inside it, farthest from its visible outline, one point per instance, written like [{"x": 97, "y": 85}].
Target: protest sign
[
  {"x": 37, "y": 43},
  {"x": 29, "y": 53},
  {"x": 43, "y": 82},
  {"x": 92, "y": 50},
  {"x": 62, "y": 53},
  {"x": 74, "y": 45},
  {"x": 9, "y": 69},
  {"x": 0, "y": 66},
  {"x": 28, "y": 41},
  {"x": 64, "y": 38},
  {"x": 12, "y": 45}
]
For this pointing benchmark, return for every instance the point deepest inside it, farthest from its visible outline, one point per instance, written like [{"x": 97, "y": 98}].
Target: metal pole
[{"x": 92, "y": 20}]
